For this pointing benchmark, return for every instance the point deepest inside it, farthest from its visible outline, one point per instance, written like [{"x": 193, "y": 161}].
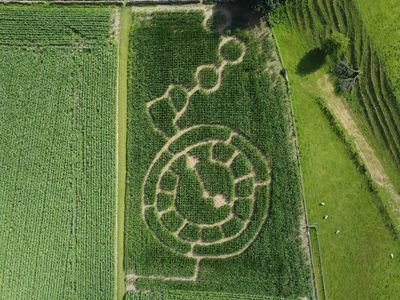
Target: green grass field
[
  {"x": 211, "y": 154},
  {"x": 373, "y": 100},
  {"x": 57, "y": 116},
  {"x": 356, "y": 262},
  {"x": 385, "y": 37}
]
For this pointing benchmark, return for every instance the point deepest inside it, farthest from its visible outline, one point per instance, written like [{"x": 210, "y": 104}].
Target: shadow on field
[
  {"x": 242, "y": 16},
  {"x": 311, "y": 62}
]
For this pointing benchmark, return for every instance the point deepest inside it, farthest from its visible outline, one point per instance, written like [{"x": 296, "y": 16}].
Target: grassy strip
[
  {"x": 359, "y": 163},
  {"x": 317, "y": 259},
  {"x": 356, "y": 262},
  {"x": 192, "y": 295},
  {"x": 121, "y": 145}
]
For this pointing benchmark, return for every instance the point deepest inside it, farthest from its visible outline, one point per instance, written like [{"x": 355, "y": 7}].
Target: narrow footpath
[{"x": 121, "y": 129}]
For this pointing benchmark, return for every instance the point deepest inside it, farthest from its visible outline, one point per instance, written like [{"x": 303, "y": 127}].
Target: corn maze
[
  {"x": 206, "y": 191},
  {"x": 206, "y": 186}
]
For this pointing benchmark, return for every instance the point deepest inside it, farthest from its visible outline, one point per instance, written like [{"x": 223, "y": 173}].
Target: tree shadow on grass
[{"x": 311, "y": 62}]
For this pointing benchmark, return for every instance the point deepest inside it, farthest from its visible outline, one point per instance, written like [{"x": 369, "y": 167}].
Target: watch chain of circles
[{"x": 206, "y": 193}]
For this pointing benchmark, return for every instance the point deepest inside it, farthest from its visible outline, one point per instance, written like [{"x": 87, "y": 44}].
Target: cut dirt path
[
  {"x": 208, "y": 11},
  {"x": 372, "y": 162},
  {"x": 121, "y": 129}
]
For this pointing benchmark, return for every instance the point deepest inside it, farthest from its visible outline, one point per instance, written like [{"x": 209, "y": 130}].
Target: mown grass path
[{"x": 121, "y": 111}]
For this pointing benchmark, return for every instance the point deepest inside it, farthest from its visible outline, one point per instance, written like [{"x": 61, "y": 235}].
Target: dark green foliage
[
  {"x": 192, "y": 205},
  {"x": 336, "y": 45},
  {"x": 211, "y": 234},
  {"x": 180, "y": 165},
  {"x": 165, "y": 201},
  {"x": 216, "y": 178},
  {"x": 54, "y": 26},
  {"x": 260, "y": 210},
  {"x": 252, "y": 154},
  {"x": 152, "y": 179},
  {"x": 171, "y": 220},
  {"x": 222, "y": 152},
  {"x": 264, "y": 6},
  {"x": 231, "y": 51},
  {"x": 244, "y": 188},
  {"x": 168, "y": 181},
  {"x": 216, "y": 20},
  {"x": 232, "y": 227},
  {"x": 168, "y": 49},
  {"x": 165, "y": 236},
  {"x": 178, "y": 96},
  {"x": 163, "y": 114},
  {"x": 190, "y": 233},
  {"x": 243, "y": 208},
  {"x": 199, "y": 134},
  {"x": 240, "y": 166},
  {"x": 57, "y": 152},
  {"x": 194, "y": 295},
  {"x": 201, "y": 152},
  {"x": 252, "y": 104},
  {"x": 207, "y": 78}
]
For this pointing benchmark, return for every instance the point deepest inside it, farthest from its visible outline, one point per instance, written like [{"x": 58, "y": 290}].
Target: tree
[
  {"x": 347, "y": 76},
  {"x": 335, "y": 45},
  {"x": 264, "y": 6}
]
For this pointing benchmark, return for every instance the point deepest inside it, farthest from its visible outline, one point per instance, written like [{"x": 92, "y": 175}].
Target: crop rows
[
  {"x": 57, "y": 108},
  {"x": 187, "y": 128},
  {"x": 373, "y": 92},
  {"x": 32, "y": 26}
]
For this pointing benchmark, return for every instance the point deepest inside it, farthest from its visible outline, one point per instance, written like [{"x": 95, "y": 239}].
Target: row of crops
[
  {"x": 374, "y": 99},
  {"x": 57, "y": 152},
  {"x": 80, "y": 27},
  {"x": 250, "y": 105}
]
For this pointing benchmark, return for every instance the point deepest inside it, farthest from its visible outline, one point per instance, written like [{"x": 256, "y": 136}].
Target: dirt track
[{"x": 372, "y": 162}]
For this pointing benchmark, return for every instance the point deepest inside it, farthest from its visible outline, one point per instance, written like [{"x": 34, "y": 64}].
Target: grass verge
[
  {"x": 121, "y": 145},
  {"x": 357, "y": 263}
]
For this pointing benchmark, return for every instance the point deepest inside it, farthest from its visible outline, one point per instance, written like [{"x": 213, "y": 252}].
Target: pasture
[{"x": 356, "y": 263}]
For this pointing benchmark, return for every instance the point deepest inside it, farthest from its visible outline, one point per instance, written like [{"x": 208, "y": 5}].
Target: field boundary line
[
  {"x": 375, "y": 170},
  {"x": 315, "y": 227},
  {"x": 121, "y": 130},
  {"x": 300, "y": 171}
]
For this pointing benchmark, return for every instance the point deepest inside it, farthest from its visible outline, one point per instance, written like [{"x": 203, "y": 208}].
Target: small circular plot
[
  {"x": 232, "y": 51},
  {"x": 207, "y": 77}
]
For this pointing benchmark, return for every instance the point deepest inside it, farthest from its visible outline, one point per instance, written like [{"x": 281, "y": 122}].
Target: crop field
[
  {"x": 213, "y": 199},
  {"x": 199, "y": 149},
  {"x": 57, "y": 157}
]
